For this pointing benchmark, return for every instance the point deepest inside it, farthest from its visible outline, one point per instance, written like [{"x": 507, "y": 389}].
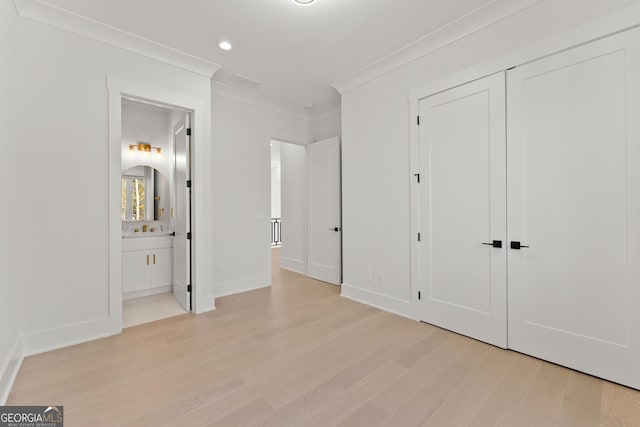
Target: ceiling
[{"x": 295, "y": 52}]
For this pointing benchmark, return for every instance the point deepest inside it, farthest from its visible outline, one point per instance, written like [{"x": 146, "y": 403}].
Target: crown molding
[
  {"x": 326, "y": 114},
  {"x": 231, "y": 92},
  {"x": 45, "y": 13},
  {"x": 473, "y": 22},
  {"x": 20, "y": 4}
]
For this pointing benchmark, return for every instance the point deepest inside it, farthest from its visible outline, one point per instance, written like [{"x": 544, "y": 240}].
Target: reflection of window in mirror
[{"x": 133, "y": 198}]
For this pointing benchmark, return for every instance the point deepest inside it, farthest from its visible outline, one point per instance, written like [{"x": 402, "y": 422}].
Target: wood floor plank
[
  {"x": 542, "y": 403},
  {"x": 620, "y": 406},
  {"x": 342, "y": 406},
  {"x": 469, "y": 397},
  {"x": 502, "y": 404},
  {"x": 367, "y": 415},
  {"x": 299, "y": 354},
  {"x": 582, "y": 401}
]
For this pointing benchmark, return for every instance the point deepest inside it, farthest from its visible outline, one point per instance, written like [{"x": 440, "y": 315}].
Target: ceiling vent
[{"x": 244, "y": 81}]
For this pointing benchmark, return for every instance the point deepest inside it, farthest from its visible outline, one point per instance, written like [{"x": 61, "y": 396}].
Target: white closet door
[
  {"x": 463, "y": 208},
  {"x": 574, "y": 200}
]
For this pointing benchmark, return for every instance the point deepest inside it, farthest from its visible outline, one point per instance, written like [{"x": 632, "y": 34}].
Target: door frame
[
  {"x": 616, "y": 22},
  {"x": 117, "y": 89}
]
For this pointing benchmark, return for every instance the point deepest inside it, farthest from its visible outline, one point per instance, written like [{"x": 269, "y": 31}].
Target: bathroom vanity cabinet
[{"x": 147, "y": 266}]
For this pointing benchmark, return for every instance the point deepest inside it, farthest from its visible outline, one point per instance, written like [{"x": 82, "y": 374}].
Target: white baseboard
[
  {"x": 242, "y": 285},
  {"x": 65, "y": 336},
  {"x": 203, "y": 303},
  {"x": 147, "y": 292},
  {"x": 377, "y": 300},
  {"x": 292, "y": 264},
  {"x": 10, "y": 370}
]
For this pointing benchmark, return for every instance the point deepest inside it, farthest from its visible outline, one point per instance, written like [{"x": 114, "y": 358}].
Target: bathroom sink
[{"x": 140, "y": 229}]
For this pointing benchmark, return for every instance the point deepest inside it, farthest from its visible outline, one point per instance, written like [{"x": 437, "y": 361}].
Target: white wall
[
  {"x": 241, "y": 190},
  {"x": 10, "y": 179},
  {"x": 375, "y": 130},
  {"x": 326, "y": 125},
  {"x": 64, "y": 147},
  {"x": 276, "y": 189},
  {"x": 294, "y": 207}
]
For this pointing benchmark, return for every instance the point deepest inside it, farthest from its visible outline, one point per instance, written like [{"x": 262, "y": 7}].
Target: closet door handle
[
  {"x": 147, "y": 259},
  {"x": 517, "y": 245},
  {"x": 495, "y": 244},
  {"x": 154, "y": 259}
]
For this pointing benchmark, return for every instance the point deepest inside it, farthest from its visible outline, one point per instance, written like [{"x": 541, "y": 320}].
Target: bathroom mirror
[{"x": 145, "y": 195}]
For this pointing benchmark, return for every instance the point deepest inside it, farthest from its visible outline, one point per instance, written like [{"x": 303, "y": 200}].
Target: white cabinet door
[
  {"x": 162, "y": 267},
  {"x": 324, "y": 211},
  {"x": 463, "y": 209},
  {"x": 574, "y": 200},
  {"x": 136, "y": 273}
]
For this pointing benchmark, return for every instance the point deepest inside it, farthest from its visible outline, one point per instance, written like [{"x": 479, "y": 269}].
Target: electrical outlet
[
  {"x": 381, "y": 276},
  {"x": 368, "y": 275}
]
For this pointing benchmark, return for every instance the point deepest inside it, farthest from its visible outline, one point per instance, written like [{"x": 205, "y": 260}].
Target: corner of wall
[
  {"x": 243, "y": 285},
  {"x": 295, "y": 265},
  {"x": 10, "y": 370},
  {"x": 375, "y": 299},
  {"x": 68, "y": 335},
  {"x": 10, "y": 277}
]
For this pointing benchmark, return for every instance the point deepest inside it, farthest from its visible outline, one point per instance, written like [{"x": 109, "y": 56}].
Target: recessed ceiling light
[
  {"x": 304, "y": 1},
  {"x": 225, "y": 45}
]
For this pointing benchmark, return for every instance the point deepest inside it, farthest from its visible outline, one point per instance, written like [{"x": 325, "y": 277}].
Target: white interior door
[
  {"x": 182, "y": 242},
  {"x": 463, "y": 209},
  {"x": 324, "y": 211},
  {"x": 574, "y": 202}
]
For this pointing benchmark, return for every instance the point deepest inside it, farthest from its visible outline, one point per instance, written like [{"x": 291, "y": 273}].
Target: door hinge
[
  {"x": 419, "y": 295},
  {"x": 417, "y": 175},
  {"x": 188, "y": 183},
  {"x": 189, "y": 236},
  {"x": 188, "y": 131},
  {"x": 418, "y": 120},
  {"x": 418, "y": 237},
  {"x": 188, "y": 288}
]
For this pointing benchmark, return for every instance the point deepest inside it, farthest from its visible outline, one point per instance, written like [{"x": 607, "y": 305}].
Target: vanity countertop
[{"x": 136, "y": 229}]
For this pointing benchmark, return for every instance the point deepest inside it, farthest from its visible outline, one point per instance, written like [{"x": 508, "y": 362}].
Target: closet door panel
[
  {"x": 573, "y": 199},
  {"x": 462, "y": 206}
]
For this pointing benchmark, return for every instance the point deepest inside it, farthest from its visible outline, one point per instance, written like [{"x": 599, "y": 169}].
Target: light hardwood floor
[{"x": 298, "y": 354}]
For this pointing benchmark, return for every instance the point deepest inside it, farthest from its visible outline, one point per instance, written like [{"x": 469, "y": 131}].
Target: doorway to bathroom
[{"x": 155, "y": 211}]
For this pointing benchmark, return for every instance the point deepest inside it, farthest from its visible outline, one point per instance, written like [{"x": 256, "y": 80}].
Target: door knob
[
  {"x": 517, "y": 245},
  {"x": 336, "y": 229},
  {"x": 495, "y": 244}
]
